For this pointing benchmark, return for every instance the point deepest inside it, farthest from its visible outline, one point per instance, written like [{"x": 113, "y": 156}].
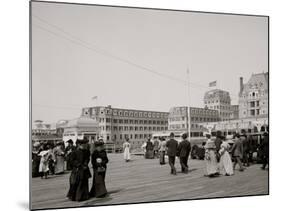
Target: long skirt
[
  {"x": 43, "y": 166},
  {"x": 162, "y": 157},
  {"x": 225, "y": 164},
  {"x": 98, "y": 187},
  {"x": 127, "y": 155},
  {"x": 211, "y": 163},
  {"x": 35, "y": 166},
  {"x": 59, "y": 166},
  {"x": 149, "y": 154},
  {"x": 79, "y": 185}
]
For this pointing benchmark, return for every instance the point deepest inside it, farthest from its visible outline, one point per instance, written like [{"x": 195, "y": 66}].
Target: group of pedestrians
[
  {"x": 80, "y": 174},
  {"x": 220, "y": 157},
  {"x": 48, "y": 159}
]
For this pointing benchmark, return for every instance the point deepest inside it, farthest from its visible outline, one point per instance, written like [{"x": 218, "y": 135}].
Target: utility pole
[{"x": 188, "y": 104}]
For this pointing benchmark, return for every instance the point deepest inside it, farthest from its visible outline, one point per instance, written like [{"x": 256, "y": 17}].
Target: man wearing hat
[
  {"x": 172, "y": 146},
  {"x": 68, "y": 152},
  {"x": 183, "y": 152},
  {"x": 265, "y": 150}
]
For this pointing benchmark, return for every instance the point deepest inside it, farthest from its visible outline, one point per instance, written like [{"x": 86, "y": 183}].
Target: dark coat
[
  {"x": 265, "y": 146},
  {"x": 237, "y": 148},
  {"x": 218, "y": 143},
  {"x": 98, "y": 188},
  {"x": 149, "y": 145},
  {"x": 80, "y": 174},
  {"x": 184, "y": 148},
  {"x": 246, "y": 145},
  {"x": 172, "y": 146}
]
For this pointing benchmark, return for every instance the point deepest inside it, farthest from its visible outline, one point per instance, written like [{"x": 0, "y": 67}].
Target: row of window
[
  {"x": 131, "y": 128},
  {"x": 193, "y": 111},
  {"x": 194, "y": 119},
  {"x": 183, "y": 126},
  {"x": 133, "y": 121},
  {"x": 218, "y": 101},
  {"x": 130, "y": 136},
  {"x": 133, "y": 113},
  {"x": 220, "y": 107}
]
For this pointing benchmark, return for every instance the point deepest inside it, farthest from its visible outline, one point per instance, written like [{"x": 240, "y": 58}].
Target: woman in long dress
[
  {"x": 162, "y": 151},
  {"x": 226, "y": 166},
  {"x": 59, "y": 158},
  {"x": 210, "y": 158},
  {"x": 80, "y": 174},
  {"x": 126, "y": 149},
  {"x": 99, "y": 160},
  {"x": 44, "y": 163}
]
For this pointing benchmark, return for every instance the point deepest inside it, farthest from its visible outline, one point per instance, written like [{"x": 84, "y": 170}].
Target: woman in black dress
[
  {"x": 80, "y": 174},
  {"x": 99, "y": 160}
]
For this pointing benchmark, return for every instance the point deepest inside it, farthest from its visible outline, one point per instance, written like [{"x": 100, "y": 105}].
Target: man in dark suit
[
  {"x": 172, "y": 146},
  {"x": 265, "y": 150},
  {"x": 184, "y": 149},
  {"x": 218, "y": 141}
]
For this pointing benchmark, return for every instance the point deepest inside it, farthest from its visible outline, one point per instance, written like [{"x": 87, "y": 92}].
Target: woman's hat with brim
[
  {"x": 70, "y": 141},
  {"x": 36, "y": 144},
  {"x": 99, "y": 143}
]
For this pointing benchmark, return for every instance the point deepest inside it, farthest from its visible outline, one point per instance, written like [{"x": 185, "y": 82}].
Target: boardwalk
[{"x": 144, "y": 180}]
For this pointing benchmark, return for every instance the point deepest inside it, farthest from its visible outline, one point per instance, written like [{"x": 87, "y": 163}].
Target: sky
[{"x": 136, "y": 58}]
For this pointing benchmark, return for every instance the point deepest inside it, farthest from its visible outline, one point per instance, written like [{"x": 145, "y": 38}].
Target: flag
[
  {"x": 213, "y": 83},
  {"x": 95, "y": 98}
]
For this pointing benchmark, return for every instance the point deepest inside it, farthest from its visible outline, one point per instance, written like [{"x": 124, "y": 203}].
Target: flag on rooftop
[
  {"x": 213, "y": 83},
  {"x": 95, "y": 98}
]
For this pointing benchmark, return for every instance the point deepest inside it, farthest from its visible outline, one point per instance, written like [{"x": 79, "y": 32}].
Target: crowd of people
[
  {"x": 220, "y": 157},
  {"x": 51, "y": 159}
]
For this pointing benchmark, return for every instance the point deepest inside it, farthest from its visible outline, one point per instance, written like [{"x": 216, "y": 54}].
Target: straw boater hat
[{"x": 36, "y": 144}]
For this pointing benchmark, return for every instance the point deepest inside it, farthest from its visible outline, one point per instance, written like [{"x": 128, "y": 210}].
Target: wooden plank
[{"x": 143, "y": 180}]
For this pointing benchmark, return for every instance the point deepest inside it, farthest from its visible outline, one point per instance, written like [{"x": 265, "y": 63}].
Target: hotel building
[
  {"x": 253, "y": 96},
  {"x": 178, "y": 119},
  {"x": 219, "y": 100},
  {"x": 115, "y": 124}
]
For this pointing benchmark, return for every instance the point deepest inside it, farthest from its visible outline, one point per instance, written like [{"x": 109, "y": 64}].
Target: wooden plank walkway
[{"x": 144, "y": 180}]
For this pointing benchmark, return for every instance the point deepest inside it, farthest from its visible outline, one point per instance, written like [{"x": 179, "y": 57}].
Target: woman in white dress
[
  {"x": 210, "y": 158},
  {"x": 44, "y": 163},
  {"x": 226, "y": 167},
  {"x": 126, "y": 149}
]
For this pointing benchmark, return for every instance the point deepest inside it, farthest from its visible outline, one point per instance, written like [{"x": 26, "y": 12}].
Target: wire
[{"x": 85, "y": 44}]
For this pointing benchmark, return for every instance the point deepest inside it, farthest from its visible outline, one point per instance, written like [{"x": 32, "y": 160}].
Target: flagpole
[{"x": 188, "y": 98}]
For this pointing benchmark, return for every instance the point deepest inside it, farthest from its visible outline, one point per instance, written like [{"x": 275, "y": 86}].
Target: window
[
  {"x": 120, "y": 121},
  {"x": 121, "y": 136},
  {"x": 136, "y": 136}
]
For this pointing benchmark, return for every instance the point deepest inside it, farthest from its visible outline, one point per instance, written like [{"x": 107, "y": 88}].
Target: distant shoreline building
[
  {"x": 253, "y": 96},
  {"x": 219, "y": 100},
  {"x": 116, "y": 124},
  {"x": 178, "y": 119}
]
